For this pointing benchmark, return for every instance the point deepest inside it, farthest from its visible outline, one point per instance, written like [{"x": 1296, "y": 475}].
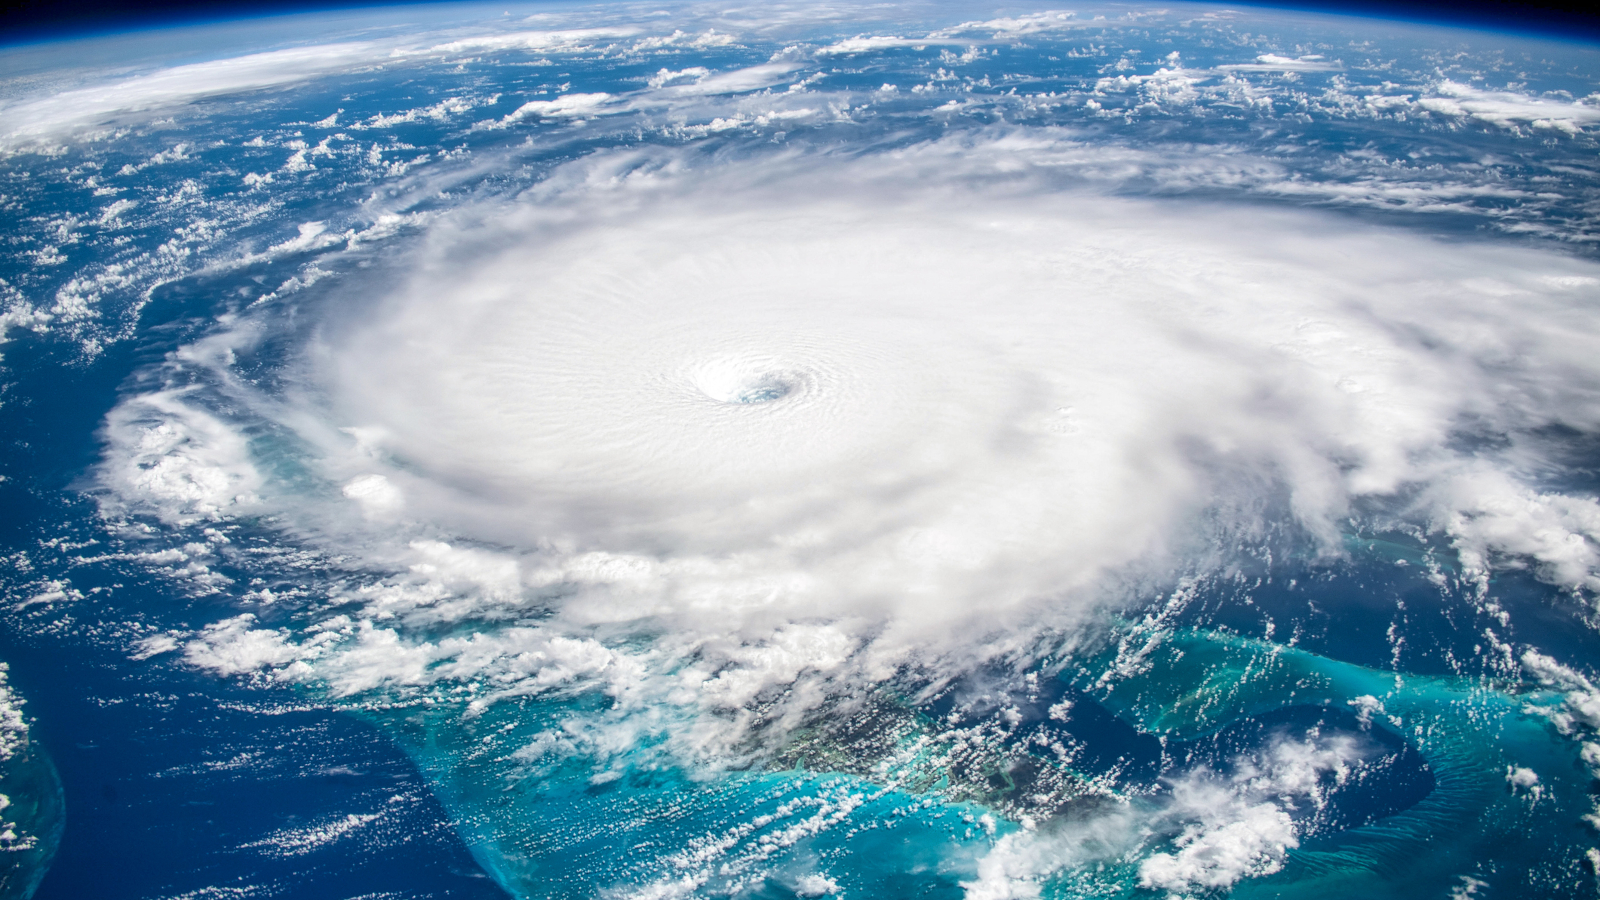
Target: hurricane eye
[
  {"x": 743, "y": 383},
  {"x": 762, "y": 390}
]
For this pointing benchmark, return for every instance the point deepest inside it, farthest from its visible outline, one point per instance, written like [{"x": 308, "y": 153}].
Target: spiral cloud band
[
  {"x": 735, "y": 444},
  {"x": 851, "y": 398},
  {"x": 912, "y": 417}
]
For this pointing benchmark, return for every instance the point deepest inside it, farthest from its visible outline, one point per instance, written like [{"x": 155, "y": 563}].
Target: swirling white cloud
[{"x": 744, "y": 397}]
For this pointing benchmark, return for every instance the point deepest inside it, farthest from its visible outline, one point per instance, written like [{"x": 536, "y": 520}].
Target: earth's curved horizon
[{"x": 929, "y": 450}]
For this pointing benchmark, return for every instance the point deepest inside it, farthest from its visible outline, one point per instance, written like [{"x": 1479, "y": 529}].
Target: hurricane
[{"x": 809, "y": 451}]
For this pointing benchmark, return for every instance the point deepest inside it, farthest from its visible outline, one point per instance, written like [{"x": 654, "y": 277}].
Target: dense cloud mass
[
  {"x": 798, "y": 390},
  {"x": 770, "y": 400}
]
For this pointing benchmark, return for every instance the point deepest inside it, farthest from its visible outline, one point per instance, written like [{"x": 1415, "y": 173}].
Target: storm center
[{"x": 745, "y": 383}]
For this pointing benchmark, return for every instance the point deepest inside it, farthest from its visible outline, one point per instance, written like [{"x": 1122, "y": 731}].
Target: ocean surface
[{"x": 631, "y": 451}]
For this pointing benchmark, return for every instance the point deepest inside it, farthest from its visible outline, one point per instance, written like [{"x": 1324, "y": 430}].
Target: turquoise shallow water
[
  {"x": 1468, "y": 732},
  {"x": 34, "y": 817},
  {"x": 1435, "y": 807}
]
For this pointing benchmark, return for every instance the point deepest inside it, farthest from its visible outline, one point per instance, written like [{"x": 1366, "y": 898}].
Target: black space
[
  {"x": 32, "y": 20},
  {"x": 23, "y": 21}
]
